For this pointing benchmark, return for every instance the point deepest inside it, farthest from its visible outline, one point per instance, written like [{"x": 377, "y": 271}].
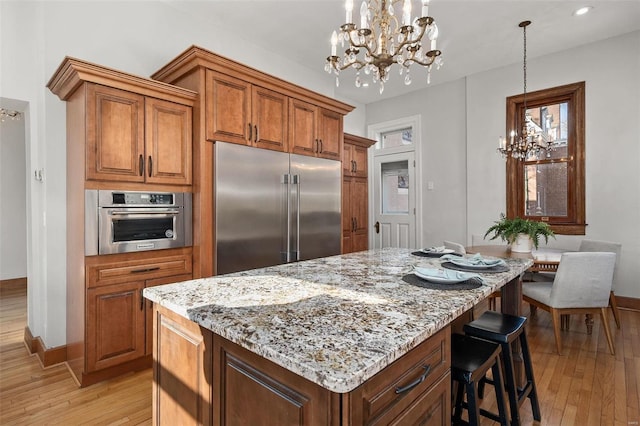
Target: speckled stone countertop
[{"x": 336, "y": 321}]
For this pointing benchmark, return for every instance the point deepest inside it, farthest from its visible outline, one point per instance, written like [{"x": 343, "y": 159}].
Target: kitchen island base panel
[{"x": 202, "y": 378}]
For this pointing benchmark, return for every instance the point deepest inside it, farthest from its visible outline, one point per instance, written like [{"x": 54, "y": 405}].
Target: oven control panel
[{"x": 142, "y": 198}]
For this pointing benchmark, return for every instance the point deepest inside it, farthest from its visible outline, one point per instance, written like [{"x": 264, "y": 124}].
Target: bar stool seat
[
  {"x": 471, "y": 358},
  {"x": 506, "y": 329}
]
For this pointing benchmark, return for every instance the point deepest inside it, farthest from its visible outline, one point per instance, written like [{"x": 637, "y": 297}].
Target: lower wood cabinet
[
  {"x": 115, "y": 333},
  {"x": 225, "y": 384}
]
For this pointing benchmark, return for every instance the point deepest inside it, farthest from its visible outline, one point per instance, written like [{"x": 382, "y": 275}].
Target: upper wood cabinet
[
  {"x": 354, "y": 159},
  {"x": 242, "y": 113},
  {"x": 314, "y": 131},
  {"x": 124, "y": 128},
  {"x": 135, "y": 138}
]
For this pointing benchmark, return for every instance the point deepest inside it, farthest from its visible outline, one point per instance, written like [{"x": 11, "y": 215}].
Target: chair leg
[
  {"x": 555, "y": 315},
  {"x": 607, "y": 331},
  {"x": 588, "y": 320},
  {"x": 498, "y": 385},
  {"x": 472, "y": 405},
  {"x": 614, "y": 307},
  {"x": 528, "y": 368},
  {"x": 510, "y": 383},
  {"x": 457, "y": 408}
]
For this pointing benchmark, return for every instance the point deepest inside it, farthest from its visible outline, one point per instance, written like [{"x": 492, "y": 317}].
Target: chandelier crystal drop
[
  {"x": 531, "y": 142},
  {"x": 387, "y": 35}
]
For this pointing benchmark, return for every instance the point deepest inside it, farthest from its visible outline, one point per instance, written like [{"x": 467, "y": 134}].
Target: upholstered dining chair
[
  {"x": 595, "y": 245},
  {"x": 456, "y": 247},
  {"x": 582, "y": 285}
]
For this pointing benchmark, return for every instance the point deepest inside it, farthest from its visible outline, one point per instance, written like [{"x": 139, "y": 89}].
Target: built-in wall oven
[{"x": 130, "y": 221}]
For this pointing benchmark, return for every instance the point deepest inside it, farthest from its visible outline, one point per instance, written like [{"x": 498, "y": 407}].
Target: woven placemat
[
  {"x": 424, "y": 254},
  {"x": 493, "y": 269},
  {"x": 469, "y": 284}
]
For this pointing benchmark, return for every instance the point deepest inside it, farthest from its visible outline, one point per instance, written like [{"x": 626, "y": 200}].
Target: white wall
[
  {"x": 13, "y": 198},
  {"x": 612, "y": 143},
  {"x": 443, "y": 156},
  {"x": 461, "y": 123},
  {"x": 136, "y": 37}
]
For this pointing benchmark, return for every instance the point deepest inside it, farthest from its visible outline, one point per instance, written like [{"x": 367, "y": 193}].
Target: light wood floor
[{"x": 585, "y": 386}]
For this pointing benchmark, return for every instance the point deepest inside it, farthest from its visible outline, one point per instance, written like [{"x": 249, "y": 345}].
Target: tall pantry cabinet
[
  {"x": 124, "y": 132},
  {"x": 355, "y": 198}
]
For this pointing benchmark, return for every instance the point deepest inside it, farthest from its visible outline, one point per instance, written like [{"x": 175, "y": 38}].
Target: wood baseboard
[
  {"x": 47, "y": 357},
  {"x": 628, "y": 303},
  {"x": 13, "y": 284}
]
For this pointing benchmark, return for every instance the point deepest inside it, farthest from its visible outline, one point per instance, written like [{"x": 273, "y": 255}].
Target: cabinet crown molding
[
  {"x": 73, "y": 72},
  {"x": 195, "y": 57}
]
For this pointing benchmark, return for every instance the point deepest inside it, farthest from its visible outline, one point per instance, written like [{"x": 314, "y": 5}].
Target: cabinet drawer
[
  {"x": 390, "y": 392},
  {"x": 99, "y": 274},
  {"x": 432, "y": 408}
]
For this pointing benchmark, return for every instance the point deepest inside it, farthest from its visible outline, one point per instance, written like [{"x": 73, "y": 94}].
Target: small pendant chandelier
[
  {"x": 385, "y": 37},
  {"x": 531, "y": 142}
]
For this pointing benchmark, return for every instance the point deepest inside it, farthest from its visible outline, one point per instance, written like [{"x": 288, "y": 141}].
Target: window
[
  {"x": 550, "y": 188},
  {"x": 397, "y": 138}
]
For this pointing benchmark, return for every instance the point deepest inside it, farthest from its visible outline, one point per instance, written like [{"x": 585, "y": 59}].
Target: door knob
[{"x": 377, "y": 225}]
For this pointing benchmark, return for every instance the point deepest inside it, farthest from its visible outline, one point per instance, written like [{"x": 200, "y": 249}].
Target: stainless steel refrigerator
[{"x": 273, "y": 207}]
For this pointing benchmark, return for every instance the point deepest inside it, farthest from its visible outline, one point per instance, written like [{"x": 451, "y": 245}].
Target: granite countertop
[{"x": 336, "y": 321}]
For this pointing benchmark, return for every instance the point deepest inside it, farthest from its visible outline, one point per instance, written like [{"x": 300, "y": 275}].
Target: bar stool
[
  {"x": 471, "y": 358},
  {"x": 504, "y": 329}
]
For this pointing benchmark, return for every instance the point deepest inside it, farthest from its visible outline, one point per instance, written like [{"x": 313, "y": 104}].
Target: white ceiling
[{"x": 475, "y": 35}]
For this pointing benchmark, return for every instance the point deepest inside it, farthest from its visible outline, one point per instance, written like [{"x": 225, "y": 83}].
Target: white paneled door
[{"x": 394, "y": 214}]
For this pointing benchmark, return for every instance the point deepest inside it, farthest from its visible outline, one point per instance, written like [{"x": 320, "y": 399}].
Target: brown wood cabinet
[
  {"x": 221, "y": 377},
  {"x": 135, "y": 138},
  {"x": 240, "y": 112},
  {"x": 355, "y": 200},
  {"x": 118, "y": 319},
  {"x": 128, "y": 133},
  {"x": 314, "y": 131},
  {"x": 234, "y": 99}
]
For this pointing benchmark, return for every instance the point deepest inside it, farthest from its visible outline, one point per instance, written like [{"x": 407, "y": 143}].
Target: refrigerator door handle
[
  {"x": 286, "y": 256},
  {"x": 296, "y": 182}
]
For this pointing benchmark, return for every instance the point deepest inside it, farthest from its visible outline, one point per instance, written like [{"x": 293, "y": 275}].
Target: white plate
[
  {"x": 443, "y": 251},
  {"x": 442, "y": 276},
  {"x": 465, "y": 264}
]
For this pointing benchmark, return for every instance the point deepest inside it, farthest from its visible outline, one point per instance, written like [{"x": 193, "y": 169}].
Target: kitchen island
[{"x": 336, "y": 340}]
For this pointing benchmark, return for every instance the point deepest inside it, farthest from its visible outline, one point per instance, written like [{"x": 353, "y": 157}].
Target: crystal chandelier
[
  {"x": 384, "y": 39},
  {"x": 531, "y": 142},
  {"x": 7, "y": 113}
]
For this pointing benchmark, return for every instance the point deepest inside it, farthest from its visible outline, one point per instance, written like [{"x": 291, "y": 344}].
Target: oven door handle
[{"x": 144, "y": 213}]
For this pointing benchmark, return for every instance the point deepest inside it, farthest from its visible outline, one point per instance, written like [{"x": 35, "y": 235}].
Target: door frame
[{"x": 374, "y": 131}]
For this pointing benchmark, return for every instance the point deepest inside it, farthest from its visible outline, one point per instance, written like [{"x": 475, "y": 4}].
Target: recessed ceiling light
[{"x": 582, "y": 11}]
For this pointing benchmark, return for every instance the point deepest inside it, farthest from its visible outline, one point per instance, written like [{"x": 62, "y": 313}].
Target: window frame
[{"x": 574, "y": 94}]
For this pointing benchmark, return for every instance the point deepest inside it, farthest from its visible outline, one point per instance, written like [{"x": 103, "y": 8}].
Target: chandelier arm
[
  {"x": 361, "y": 64},
  {"x": 360, "y": 45},
  {"x": 427, "y": 63}
]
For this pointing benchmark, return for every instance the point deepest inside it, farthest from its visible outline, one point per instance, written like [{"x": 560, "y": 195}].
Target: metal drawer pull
[
  {"x": 139, "y": 271},
  {"x": 416, "y": 382}
]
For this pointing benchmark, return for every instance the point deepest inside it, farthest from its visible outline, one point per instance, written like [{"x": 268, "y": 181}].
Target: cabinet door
[
  {"x": 228, "y": 109},
  {"x": 432, "y": 408},
  {"x": 269, "y": 119},
  {"x": 330, "y": 134},
  {"x": 359, "y": 211},
  {"x": 115, "y": 325},
  {"x": 347, "y": 216},
  {"x": 347, "y": 160},
  {"x": 278, "y": 396},
  {"x": 168, "y": 142},
  {"x": 115, "y": 134},
  {"x": 302, "y": 127},
  {"x": 359, "y": 157},
  {"x": 148, "y": 326}
]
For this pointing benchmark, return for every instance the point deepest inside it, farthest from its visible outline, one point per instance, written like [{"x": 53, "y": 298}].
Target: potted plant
[{"x": 520, "y": 233}]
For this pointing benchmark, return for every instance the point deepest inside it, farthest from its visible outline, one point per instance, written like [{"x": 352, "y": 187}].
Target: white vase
[{"x": 522, "y": 244}]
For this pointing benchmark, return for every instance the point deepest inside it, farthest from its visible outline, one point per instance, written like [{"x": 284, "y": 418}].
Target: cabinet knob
[
  {"x": 320, "y": 144},
  {"x": 141, "y": 165},
  {"x": 256, "y": 131},
  {"x": 250, "y": 132},
  {"x": 150, "y": 166}
]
